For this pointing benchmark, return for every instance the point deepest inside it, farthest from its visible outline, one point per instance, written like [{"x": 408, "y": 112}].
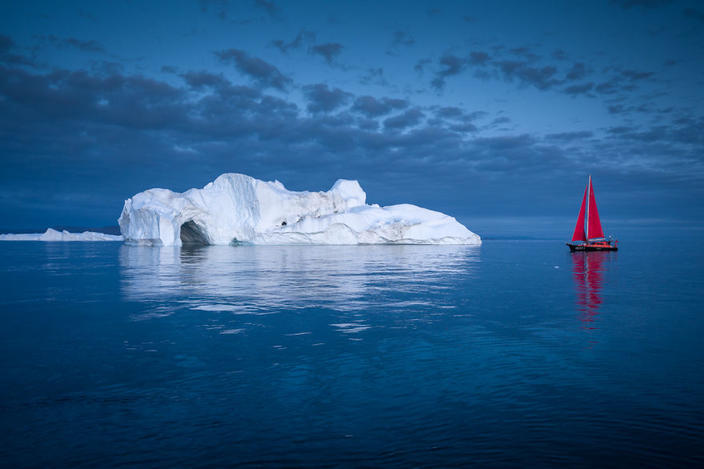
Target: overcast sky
[{"x": 477, "y": 109}]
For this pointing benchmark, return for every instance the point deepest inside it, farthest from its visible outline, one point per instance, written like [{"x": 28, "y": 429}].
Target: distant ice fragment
[
  {"x": 53, "y": 235},
  {"x": 236, "y": 208}
]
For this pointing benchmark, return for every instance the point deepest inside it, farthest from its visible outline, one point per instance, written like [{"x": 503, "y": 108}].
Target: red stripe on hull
[{"x": 592, "y": 247}]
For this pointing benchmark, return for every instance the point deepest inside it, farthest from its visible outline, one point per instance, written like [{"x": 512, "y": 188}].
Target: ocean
[{"x": 514, "y": 353}]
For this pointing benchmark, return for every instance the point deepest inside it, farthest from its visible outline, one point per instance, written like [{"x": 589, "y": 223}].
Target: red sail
[
  {"x": 579, "y": 229},
  {"x": 594, "y": 229}
]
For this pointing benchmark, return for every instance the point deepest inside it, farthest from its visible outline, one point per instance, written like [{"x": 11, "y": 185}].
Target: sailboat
[{"x": 593, "y": 238}]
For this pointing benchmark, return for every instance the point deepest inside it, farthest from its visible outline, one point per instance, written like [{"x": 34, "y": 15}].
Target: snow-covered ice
[
  {"x": 54, "y": 235},
  {"x": 236, "y": 208}
]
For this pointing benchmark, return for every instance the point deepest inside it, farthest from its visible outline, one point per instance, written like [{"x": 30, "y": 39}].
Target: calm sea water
[{"x": 512, "y": 353}]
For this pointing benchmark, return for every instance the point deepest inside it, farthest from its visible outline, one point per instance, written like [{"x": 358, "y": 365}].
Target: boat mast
[{"x": 589, "y": 186}]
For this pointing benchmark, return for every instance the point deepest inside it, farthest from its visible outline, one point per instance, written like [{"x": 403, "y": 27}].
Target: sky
[{"x": 482, "y": 110}]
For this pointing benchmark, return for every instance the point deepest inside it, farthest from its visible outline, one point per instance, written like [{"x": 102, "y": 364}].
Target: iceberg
[
  {"x": 236, "y": 208},
  {"x": 54, "y": 235}
]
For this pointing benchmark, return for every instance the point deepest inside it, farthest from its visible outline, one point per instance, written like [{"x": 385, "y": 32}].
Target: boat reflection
[
  {"x": 264, "y": 279},
  {"x": 588, "y": 269}
]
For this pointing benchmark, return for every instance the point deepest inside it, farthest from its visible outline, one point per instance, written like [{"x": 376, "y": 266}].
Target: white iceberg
[
  {"x": 236, "y": 208},
  {"x": 54, "y": 235}
]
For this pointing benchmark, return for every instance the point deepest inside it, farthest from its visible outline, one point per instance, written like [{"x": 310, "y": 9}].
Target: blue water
[{"x": 512, "y": 353}]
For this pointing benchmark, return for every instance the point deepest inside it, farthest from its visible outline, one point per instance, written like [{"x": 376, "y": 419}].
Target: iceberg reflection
[{"x": 266, "y": 279}]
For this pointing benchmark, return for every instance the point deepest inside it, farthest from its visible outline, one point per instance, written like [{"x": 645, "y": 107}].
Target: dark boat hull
[{"x": 592, "y": 247}]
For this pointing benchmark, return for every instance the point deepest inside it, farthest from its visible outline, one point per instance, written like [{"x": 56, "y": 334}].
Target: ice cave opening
[{"x": 192, "y": 234}]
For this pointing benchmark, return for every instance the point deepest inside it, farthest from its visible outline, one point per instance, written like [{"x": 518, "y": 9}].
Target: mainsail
[{"x": 593, "y": 223}]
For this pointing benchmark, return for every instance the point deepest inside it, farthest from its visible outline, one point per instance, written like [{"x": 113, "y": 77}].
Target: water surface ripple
[{"x": 512, "y": 353}]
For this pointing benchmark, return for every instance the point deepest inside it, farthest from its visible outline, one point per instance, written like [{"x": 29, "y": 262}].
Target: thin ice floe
[{"x": 54, "y": 235}]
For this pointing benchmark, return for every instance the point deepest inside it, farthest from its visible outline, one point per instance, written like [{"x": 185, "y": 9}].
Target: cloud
[
  {"x": 396, "y": 103},
  {"x": 450, "y": 65},
  {"x": 478, "y": 58},
  {"x": 420, "y": 65},
  {"x": 372, "y": 107},
  {"x": 634, "y": 75},
  {"x": 450, "y": 112},
  {"x": 329, "y": 51},
  {"x": 608, "y": 87},
  {"x": 463, "y": 127},
  {"x": 137, "y": 104},
  {"x": 263, "y": 73},
  {"x": 523, "y": 71},
  {"x": 407, "y": 119},
  {"x": 619, "y": 130},
  {"x": 559, "y": 54},
  {"x": 683, "y": 133},
  {"x": 268, "y": 6},
  {"x": 456, "y": 119},
  {"x": 106, "y": 67},
  {"x": 540, "y": 77},
  {"x": 82, "y": 45},
  {"x": 321, "y": 98},
  {"x": 7, "y": 45},
  {"x": 84, "y": 14},
  {"x": 570, "y": 136},
  {"x": 499, "y": 121},
  {"x": 577, "y": 72},
  {"x": 582, "y": 88},
  {"x": 616, "y": 109},
  {"x": 206, "y": 4},
  {"x": 694, "y": 13},
  {"x": 86, "y": 133},
  {"x": 458, "y": 114},
  {"x": 523, "y": 66},
  {"x": 501, "y": 154},
  {"x": 131, "y": 101},
  {"x": 303, "y": 37},
  {"x": 202, "y": 79},
  {"x": 402, "y": 38},
  {"x": 524, "y": 52},
  {"x": 625, "y": 80},
  {"x": 375, "y": 76}
]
